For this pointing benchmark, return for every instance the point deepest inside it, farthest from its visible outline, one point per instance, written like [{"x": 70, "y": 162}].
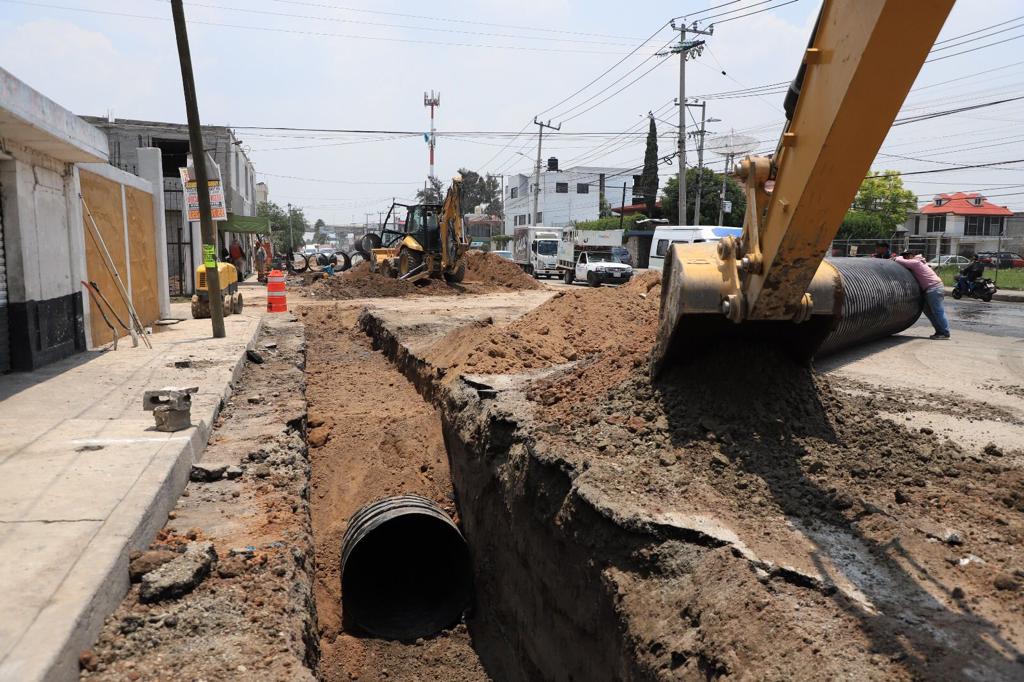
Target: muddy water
[{"x": 370, "y": 436}]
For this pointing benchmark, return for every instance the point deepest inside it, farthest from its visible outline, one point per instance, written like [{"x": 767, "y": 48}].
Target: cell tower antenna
[{"x": 433, "y": 101}]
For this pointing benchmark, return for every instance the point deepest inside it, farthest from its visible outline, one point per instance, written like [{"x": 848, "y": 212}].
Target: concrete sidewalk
[{"x": 85, "y": 479}]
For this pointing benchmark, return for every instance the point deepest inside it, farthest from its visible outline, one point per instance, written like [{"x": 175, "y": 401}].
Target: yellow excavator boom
[{"x": 863, "y": 57}]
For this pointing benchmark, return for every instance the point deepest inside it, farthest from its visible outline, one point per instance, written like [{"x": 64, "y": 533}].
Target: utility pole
[
  {"x": 195, "y": 135},
  {"x": 721, "y": 196},
  {"x": 291, "y": 243},
  {"x": 622, "y": 206},
  {"x": 685, "y": 49},
  {"x": 700, "y": 158},
  {"x": 433, "y": 101},
  {"x": 536, "y": 175}
]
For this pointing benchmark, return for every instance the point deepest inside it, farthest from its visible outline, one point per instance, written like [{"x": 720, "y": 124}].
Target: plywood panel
[
  {"x": 103, "y": 197},
  {"x": 142, "y": 248}
]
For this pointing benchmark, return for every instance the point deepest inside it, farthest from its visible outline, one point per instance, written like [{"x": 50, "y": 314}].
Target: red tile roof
[{"x": 960, "y": 203}]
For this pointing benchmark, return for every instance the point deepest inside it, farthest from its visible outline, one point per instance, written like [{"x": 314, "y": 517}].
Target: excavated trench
[{"x": 627, "y": 536}]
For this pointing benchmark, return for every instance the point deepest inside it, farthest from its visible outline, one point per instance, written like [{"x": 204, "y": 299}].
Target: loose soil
[
  {"x": 252, "y": 617},
  {"x": 485, "y": 273},
  {"x": 370, "y": 436},
  {"x": 914, "y": 540}
]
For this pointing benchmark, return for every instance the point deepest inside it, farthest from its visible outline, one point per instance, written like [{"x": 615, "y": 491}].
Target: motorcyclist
[{"x": 972, "y": 272}]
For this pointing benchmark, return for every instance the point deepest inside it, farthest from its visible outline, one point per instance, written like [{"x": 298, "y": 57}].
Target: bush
[
  {"x": 861, "y": 225},
  {"x": 628, "y": 223}
]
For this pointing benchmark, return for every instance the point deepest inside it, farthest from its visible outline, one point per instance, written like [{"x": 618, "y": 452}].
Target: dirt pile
[
  {"x": 894, "y": 526},
  {"x": 580, "y": 323},
  {"x": 487, "y": 268},
  {"x": 485, "y": 273}
]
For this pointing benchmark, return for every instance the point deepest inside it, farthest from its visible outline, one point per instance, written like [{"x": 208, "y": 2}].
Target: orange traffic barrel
[{"x": 277, "y": 301}]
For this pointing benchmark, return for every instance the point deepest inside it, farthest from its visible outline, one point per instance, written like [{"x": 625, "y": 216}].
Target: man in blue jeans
[{"x": 933, "y": 289}]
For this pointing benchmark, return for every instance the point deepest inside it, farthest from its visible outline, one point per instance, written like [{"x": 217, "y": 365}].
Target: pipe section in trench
[{"x": 405, "y": 569}]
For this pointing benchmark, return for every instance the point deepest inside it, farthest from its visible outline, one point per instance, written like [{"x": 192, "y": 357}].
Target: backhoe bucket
[{"x": 853, "y": 301}]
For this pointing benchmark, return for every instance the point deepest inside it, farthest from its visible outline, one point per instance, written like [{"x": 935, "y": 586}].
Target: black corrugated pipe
[
  {"x": 876, "y": 298},
  {"x": 405, "y": 569}
]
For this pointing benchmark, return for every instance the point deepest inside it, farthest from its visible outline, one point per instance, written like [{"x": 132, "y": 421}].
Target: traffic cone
[{"x": 277, "y": 301}]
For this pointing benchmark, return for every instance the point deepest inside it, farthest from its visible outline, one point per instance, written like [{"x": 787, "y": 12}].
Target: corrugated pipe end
[{"x": 405, "y": 569}]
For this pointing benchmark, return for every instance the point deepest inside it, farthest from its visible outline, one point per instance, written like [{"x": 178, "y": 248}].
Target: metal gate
[
  {"x": 179, "y": 245},
  {"x": 5, "y": 339}
]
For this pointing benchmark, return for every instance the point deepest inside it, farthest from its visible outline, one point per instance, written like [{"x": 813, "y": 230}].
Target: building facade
[
  {"x": 963, "y": 223},
  {"x": 68, "y": 217},
  {"x": 184, "y": 241},
  {"x": 566, "y": 196}
]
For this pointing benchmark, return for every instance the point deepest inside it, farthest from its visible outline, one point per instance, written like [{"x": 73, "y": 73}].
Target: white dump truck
[{"x": 535, "y": 250}]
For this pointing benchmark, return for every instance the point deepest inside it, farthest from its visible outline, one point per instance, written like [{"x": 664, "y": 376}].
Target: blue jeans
[{"x": 934, "y": 311}]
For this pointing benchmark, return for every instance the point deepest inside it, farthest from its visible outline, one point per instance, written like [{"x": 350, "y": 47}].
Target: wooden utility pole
[
  {"x": 195, "y": 135},
  {"x": 536, "y": 173}
]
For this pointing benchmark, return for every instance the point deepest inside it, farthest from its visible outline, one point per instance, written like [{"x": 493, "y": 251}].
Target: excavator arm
[{"x": 862, "y": 59}]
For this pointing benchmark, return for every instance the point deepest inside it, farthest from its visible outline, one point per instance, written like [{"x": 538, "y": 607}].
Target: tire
[
  {"x": 237, "y": 304},
  {"x": 408, "y": 260},
  {"x": 568, "y": 277},
  {"x": 342, "y": 261},
  {"x": 369, "y": 242},
  {"x": 592, "y": 280},
  {"x": 986, "y": 297},
  {"x": 957, "y": 295},
  {"x": 456, "y": 275},
  {"x": 200, "y": 308},
  {"x": 227, "y": 304}
]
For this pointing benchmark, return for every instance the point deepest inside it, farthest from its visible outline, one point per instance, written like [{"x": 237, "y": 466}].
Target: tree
[
  {"x": 883, "y": 194},
  {"x": 862, "y": 225},
  {"x": 649, "y": 178},
  {"x": 711, "y": 187},
  {"x": 432, "y": 193},
  {"x": 281, "y": 222},
  {"x": 319, "y": 236},
  {"x": 480, "y": 190},
  {"x": 604, "y": 210}
]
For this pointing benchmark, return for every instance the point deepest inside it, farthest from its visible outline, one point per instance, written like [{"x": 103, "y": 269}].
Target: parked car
[
  {"x": 1001, "y": 259},
  {"x": 507, "y": 255},
  {"x": 943, "y": 261}
]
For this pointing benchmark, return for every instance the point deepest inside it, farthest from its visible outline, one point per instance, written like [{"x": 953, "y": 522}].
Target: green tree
[
  {"x": 711, "y": 187},
  {"x": 319, "y": 236},
  {"x": 281, "y": 223},
  {"x": 883, "y": 194},
  {"x": 862, "y": 225},
  {"x": 480, "y": 189},
  {"x": 611, "y": 223},
  {"x": 432, "y": 192},
  {"x": 649, "y": 178},
  {"x": 604, "y": 210}
]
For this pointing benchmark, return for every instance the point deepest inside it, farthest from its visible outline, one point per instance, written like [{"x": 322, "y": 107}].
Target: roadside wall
[
  {"x": 39, "y": 200},
  {"x": 122, "y": 206}
]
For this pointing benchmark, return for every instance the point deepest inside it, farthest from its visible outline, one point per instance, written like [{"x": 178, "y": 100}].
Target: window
[
  {"x": 983, "y": 226},
  {"x": 540, "y": 218},
  {"x": 513, "y": 192},
  {"x": 937, "y": 223},
  {"x": 582, "y": 188},
  {"x": 917, "y": 224},
  {"x": 173, "y": 155},
  {"x": 977, "y": 201},
  {"x": 561, "y": 188}
]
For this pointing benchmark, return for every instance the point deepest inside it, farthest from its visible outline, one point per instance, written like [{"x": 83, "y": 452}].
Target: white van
[{"x": 664, "y": 237}]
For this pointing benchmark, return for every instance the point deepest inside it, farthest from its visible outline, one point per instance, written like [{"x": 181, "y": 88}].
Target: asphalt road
[{"x": 997, "y": 318}]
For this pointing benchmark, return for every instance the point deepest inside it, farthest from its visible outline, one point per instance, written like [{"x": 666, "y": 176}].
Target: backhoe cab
[{"x": 429, "y": 244}]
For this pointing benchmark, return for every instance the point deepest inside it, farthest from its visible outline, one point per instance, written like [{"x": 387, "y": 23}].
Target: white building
[{"x": 566, "y": 196}]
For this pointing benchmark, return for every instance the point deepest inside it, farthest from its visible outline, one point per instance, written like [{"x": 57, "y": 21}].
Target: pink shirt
[{"x": 924, "y": 275}]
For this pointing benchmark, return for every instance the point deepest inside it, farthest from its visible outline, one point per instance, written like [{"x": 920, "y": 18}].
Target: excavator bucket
[
  {"x": 855, "y": 300},
  {"x": 771, "y": 284}
]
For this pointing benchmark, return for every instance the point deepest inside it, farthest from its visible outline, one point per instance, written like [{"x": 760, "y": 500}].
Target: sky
[{"x": 591, "y": 67}]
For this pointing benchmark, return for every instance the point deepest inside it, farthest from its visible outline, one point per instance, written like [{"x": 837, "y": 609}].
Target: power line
[
  {"x": 341, "y": 182},
  {"x": 980, "y": 30},
  {"x": 446, "y": 19},
  {"x": 974, "y": 49},
  {"x": 949, "y": 112},
  {"x": 766, "y": 9},
  {"x": 318, "y": 34}
]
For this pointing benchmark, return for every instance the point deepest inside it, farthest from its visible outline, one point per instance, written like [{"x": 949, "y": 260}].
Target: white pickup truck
[{"x": 597, "y": 266}]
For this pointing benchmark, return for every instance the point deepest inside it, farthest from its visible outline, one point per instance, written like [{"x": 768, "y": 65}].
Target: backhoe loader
[
  {"x": 772, "y": 283},
  {"x": 430, "y": 244}
]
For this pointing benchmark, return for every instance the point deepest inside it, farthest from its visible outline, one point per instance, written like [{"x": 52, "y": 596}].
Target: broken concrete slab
[{"x": 180, "y": 575}]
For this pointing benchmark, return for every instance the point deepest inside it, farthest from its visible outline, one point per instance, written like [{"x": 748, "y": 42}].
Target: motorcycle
[{"x": 981, "y": 288}]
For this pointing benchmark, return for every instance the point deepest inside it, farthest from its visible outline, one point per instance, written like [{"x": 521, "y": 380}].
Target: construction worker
[
  {"x": 261, "y": 257},
  {"x": 237, "y": 256},
  {"x": 933, "y": 289}
]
